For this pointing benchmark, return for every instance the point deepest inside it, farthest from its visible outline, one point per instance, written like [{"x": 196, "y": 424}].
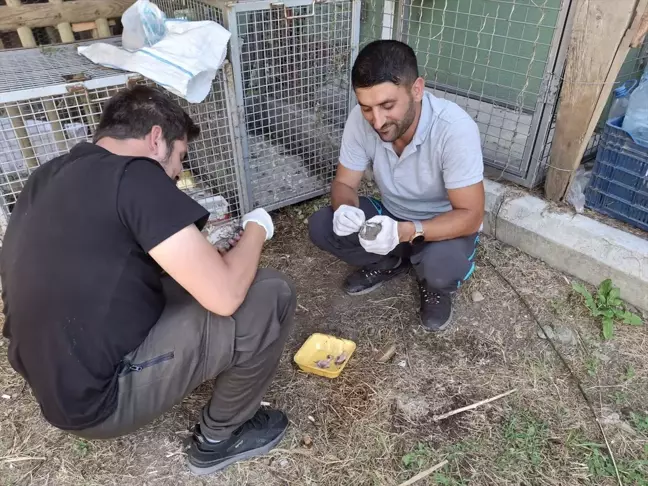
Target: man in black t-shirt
[{"x": 106, "y": 341}]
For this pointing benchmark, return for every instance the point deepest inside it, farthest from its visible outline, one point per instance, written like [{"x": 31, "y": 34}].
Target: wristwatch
[{"x": 419, "y": 234}]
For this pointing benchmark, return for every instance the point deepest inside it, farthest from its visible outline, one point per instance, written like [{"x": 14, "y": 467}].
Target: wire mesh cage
[
  {"x": 51, "y": 99},
  {"x": 292, "y": 64},
  {"x": 494, "y": 58}
]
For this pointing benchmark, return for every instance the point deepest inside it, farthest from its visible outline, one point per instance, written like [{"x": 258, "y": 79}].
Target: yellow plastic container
[{"x": 319, "y": 347}]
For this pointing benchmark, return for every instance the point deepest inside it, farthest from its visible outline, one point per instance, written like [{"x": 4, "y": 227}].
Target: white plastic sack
[
  {"x": 576, "y": 193},
  {"x": 185, "y": 61},
  {"x": 143, "y": 24}
]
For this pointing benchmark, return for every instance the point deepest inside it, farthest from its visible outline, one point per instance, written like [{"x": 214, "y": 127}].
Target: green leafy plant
[
  {"x": 608, "y": 306},
  {"x": 640, "y": 422},
  {"x": 417, "y": 458}
]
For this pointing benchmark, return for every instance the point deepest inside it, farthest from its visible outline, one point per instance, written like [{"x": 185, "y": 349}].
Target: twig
[
  {"x": 436, "y": 418},
  {"x": 424, "y": 474},
  {"x": 8, "y": 460},
  {"x": 607, "y": 444}
]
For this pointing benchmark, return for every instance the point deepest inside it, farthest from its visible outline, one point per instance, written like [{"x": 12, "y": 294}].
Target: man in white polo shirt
[{"x": 427, "y": 163}]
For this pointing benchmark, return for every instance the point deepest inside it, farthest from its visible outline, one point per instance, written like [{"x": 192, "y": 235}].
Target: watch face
[{"x": 419, "y": 239}]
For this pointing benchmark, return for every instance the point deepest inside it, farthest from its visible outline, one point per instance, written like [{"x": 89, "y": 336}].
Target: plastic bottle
[
  {"x": 636, "y": 117},
  {"x": 621, "y": 99}
]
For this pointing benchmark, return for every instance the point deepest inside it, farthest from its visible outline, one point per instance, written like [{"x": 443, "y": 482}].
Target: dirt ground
[{"x": 375, "y": 424}]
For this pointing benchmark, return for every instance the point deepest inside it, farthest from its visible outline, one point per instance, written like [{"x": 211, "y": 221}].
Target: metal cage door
[{"x": 291, "y": 63}]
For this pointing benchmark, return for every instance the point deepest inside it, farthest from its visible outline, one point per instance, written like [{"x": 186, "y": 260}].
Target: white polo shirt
[{"x": 445, "y": 153}]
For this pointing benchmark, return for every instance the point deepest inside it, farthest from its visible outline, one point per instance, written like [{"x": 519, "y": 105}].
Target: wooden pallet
[{"x": 31, "y": 23}]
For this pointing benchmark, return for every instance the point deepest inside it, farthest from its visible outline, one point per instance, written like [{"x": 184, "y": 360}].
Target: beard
[{"x": 393, "y": 130}]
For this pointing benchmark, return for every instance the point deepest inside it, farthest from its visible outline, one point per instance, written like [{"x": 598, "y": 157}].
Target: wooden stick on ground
[
  {"x": 436, "y": 418},
  {"x": 424, "y": 474}
]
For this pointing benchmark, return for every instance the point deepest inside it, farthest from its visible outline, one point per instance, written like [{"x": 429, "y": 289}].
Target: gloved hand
[
  {"x": 347, "y": 220},
  {"x": 386, "y": 240},
  {"x": 261, "y": 217}
]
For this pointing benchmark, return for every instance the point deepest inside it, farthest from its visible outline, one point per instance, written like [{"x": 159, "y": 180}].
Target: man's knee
[
  {"x": 273, "y": 288},
  {"x": 444, "y": 267},
  {"x": 320, "y": 227}
]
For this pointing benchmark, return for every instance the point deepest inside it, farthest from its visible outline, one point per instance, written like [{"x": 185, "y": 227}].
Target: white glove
[
  {"x": 386, "y": 240},
  {"x": 261, "y": 217},
  {"x": 347, "y": 220}
]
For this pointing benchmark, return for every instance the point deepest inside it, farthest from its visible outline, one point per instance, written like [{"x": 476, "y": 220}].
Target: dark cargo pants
[
  {"x": 189, "y": 345},
  {"x": 444, "y": 265}
]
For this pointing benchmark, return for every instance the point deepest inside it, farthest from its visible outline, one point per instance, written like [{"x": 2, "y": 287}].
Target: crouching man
[
  {"x": 105, "y": 339},
  {"x": 427, "y": 162}
]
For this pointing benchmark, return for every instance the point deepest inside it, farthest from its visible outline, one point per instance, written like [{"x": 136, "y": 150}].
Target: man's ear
[
  {"x": 418, "y": 89},
  {"x": 156, "y": 142}
]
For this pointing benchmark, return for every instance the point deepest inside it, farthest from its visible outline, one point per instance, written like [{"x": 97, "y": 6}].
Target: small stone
[
  {"x": 307, "y": 442},
  {"x": 385, "y": 354},
  {"x": 402, "y": 363},
  {"x": 548, "y": 332},
  {"x": 311, "y": 418},
  {"x": 283, "y": 463},
  {"x": 565, "y": 335},
  {"x": 477, "y": 296},
  {"x": 6, "y": 397},
  {"x": 601, "y": 357},
  {"x": 305, "y": 220}
]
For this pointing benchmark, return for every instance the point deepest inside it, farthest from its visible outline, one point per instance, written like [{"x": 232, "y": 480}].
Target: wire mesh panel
[
  {"x": 494, "y": 58},
  {"x": 292, "y": 68},
  {"x": 59, "y": 104}
]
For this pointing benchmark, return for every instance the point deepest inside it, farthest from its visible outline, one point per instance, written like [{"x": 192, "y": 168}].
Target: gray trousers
[
  {"x": 189, "y": 345},
  {"x": 443, "y": 265}
]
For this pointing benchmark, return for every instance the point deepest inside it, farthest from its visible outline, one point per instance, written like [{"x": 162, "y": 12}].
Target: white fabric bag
[{"x": 185, "y": 61}]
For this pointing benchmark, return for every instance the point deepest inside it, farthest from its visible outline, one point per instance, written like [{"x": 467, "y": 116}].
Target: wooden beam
[
  {"x": 64, "y": 28},
  {"x": 103, "y": 29},
  {"x": 600, "y": 41},
  {"x": 44, "y": 14},
  {"x": 25, "y": 33},
  {"x": 640, "y": 36}
]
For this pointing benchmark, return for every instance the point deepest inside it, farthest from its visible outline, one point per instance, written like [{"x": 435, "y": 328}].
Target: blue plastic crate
[{"x": 619, "y": 183}]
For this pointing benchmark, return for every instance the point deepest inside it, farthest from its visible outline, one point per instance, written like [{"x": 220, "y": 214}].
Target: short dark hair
[
  {"x": 133, "y": 112},
  {"x": 385, "y": 61}
]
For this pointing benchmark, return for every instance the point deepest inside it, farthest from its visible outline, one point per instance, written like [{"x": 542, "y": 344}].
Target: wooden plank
[
  {"x": 600, "y": 42},
  {"x": 640, "y": 36},
  {"x": 46, "y": 14},
  {"x": 83, "y": 26}
]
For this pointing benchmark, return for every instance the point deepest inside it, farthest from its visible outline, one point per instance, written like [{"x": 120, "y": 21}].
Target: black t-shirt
[{"x": 79, "y": 288}]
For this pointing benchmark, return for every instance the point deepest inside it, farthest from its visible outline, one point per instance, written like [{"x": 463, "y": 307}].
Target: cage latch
[{"x": 288, "y": 14}]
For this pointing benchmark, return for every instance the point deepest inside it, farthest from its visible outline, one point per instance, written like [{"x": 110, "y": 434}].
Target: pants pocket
[{"x": 128, "y": 367}]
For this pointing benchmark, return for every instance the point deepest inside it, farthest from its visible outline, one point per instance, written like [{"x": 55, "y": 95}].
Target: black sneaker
[
  {"x": 366, "y": 279},
  {"x": 436, "y": 309},
  {"x": 254, "y": 438}
]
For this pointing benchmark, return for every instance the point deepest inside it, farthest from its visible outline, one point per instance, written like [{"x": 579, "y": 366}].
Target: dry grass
[{"x": 373, "y": 425}]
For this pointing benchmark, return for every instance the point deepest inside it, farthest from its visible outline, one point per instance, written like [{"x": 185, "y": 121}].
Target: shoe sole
[
  {"x": 379, "y": 284},
  {"x": 203, "y": 471},
  {"x": 443, "y": 327}
]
